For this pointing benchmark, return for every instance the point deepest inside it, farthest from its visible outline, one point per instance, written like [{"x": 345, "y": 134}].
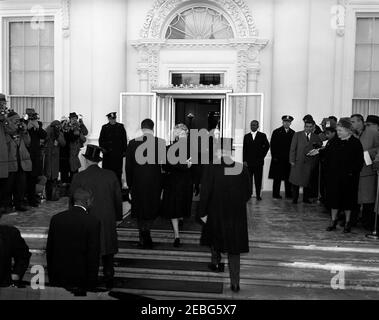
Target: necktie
[{"x": 308, "y": 137}]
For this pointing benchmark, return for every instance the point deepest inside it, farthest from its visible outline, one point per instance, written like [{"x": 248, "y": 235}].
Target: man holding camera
[
  {"x": 75, "y": 133},
  {"x": 19, "y": 163},
  {"x": 36, "y": 133},
  {"x": 3, "y": 152}
]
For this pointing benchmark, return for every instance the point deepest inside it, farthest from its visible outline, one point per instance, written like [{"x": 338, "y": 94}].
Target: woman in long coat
[
  {"x": 343, "y": 160},
  {"x": 178, "y": 186}
]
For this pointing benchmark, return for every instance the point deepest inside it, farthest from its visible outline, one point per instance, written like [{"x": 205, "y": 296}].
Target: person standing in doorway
[
  {"x": 280, "y": 167},
  {"x": 113, "y": 141},
  {"x": 255, "y": 148}
]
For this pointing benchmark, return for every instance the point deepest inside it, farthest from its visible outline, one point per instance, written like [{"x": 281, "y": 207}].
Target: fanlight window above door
[{"x": 199, "y": 23}]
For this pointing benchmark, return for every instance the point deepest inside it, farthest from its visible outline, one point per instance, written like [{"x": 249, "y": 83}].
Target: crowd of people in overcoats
[{"x": 332, "y": 164}]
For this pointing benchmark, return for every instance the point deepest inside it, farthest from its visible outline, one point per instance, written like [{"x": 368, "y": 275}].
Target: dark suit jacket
[
  {"x": 107, "y": 205},
  {"x": 73, "y": 249},
  {"x": 255, "y": 151},
  {"x": 145, "y": 179},
  {"x": 12, "y": 246}
]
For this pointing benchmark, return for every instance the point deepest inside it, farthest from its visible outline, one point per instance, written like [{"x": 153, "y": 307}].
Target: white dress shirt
[{"x": 254, "y": 134}]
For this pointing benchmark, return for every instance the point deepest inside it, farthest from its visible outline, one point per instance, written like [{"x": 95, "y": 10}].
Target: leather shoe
[
  {"x": 177, "y": 243},
  {"x": 259, "y": 198},
  {"x": 347, "y": 228},
  {"x": 277, "y": 197},
  {"x": 235, "y": 288},
  {"x": 216, "y": 267}
]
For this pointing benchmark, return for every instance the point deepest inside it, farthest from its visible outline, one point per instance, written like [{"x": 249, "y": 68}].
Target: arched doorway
[{"x": 213, "y": 48}]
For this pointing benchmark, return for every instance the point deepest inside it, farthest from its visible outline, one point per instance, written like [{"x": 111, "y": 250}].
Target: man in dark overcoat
[
  {"x": 223, "y": 197},
  {"x": 280, "y": 167},
  {"x": 368, "y": 177},
  {"x": 113, "y": 141},
  {"x": 73, "y": 261},
  {"x": 303, "y": 166},
  {"x": 255, "y": 148},
  {"x": 14, "y": 256},
  {"x": 107, "y": 205},
  {"x": 144, "y": 178}
]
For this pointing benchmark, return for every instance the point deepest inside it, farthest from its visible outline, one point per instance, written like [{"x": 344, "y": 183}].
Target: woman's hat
[
  {"x": 93, "y": 153},
  {"x": 73, "y": 115},
  {"x": 345, "y": 123}
]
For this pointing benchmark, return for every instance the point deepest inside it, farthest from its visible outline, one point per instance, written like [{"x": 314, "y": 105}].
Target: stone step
[{"x": 280, "y": 273}]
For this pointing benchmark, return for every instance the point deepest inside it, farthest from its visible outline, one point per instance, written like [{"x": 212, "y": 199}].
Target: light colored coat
[
  {"x": 25, "y": 161},
  {"x": 304, "y": 165},
  {"x": 368, "y": 177}
]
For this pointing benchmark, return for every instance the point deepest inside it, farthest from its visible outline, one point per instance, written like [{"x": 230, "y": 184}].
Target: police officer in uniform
[
  {"x": 113, "y": 141},
  {"x": 280, "y": 167}
]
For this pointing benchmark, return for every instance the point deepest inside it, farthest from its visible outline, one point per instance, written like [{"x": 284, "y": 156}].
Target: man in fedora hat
[
  {"x": 372, "y": 122},
  {"x": 106, "y": 207},
  {"x": 36, "y": 133},
  {"x": 113, "y": 141},
  {"x": 280, "y": 167}
]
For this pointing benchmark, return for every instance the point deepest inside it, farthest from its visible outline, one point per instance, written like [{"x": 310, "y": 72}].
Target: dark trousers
[
  {"x": 234, "y": 262},
  {"x": 276, "y": 188},
  {"x": 296, "y": 190},
  {"x": 108, "y": 266},
  {"x": 3, "y": 192},
  {"x": 256, "y": 173},
  {"x": 31, "y": 182},
  {"x": 144, "y": 227},
  {"x": 67, "y": 175},
  {"x": 15, "y": 188},
  {"x": 368, "y": 215}
]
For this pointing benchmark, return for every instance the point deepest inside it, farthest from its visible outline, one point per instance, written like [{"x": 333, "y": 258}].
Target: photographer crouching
[
  {"x": 37, "y": 135},
  {"x": 19, "y": 162}
]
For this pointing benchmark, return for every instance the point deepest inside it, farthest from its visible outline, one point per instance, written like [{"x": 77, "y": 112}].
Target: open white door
[
  {"x": 135, "y": 107},
  {"x": 165, "y": 117},
  {"x": 240, "y": 110}
]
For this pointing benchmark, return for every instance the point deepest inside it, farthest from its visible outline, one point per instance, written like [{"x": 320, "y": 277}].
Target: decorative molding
[
  {"x": 162, "y": 10},
  {"x": 66, "y": 5},
  {"x": 246, "y": 42}
]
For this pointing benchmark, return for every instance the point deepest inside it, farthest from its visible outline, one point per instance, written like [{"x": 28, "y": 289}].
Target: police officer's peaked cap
[
  {"x": 112, "y": 115},
  {"x": 287, "y": 118}
]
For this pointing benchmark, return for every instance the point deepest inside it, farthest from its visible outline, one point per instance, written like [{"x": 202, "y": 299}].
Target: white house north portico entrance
[{"x": 198, "y": 38}]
